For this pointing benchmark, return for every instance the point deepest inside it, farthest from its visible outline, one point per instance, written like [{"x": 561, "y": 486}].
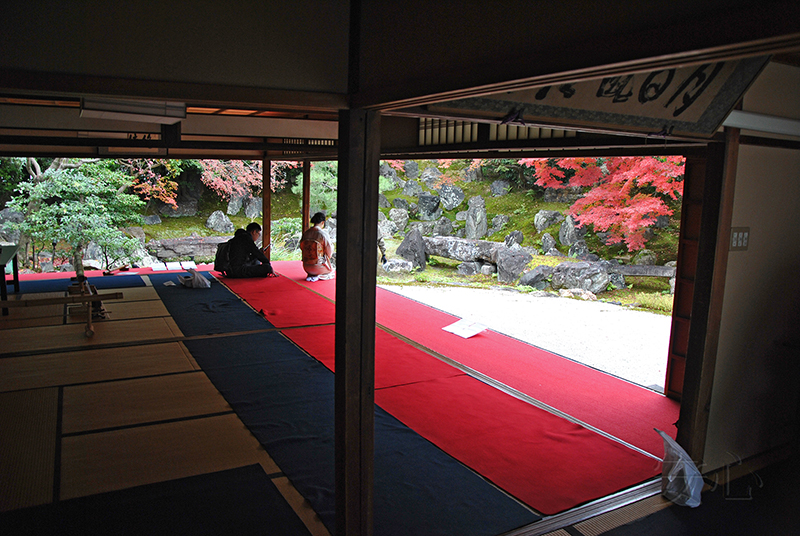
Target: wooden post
[
  {"x": 306, "y": 215},
  {"x": 266, "y": 205},
  {"x": 357, "y": 235}
]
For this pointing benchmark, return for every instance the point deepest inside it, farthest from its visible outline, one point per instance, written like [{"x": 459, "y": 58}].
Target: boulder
[
  {"x": 545, "y": 218},
  {"x": 477, "y": 225},
  {"x": 462, "y": 250},
  {"x": 469, "y": 268},
  {"x": 399, "y": 202},
  {"x": 388, "y": 171},
  {"x": 235, "y": 204},
  {"x": 537, "y": 278},
  {"x": 219, "y": 222},
  {"x": 587, "y": 276},
  {"x": 644, "y": 257},
  {"x": 514, "y": 237},
  {"x": 190, "y": 246},
  {"x": 252, "y": 207},
  {"x": 510, "y": 263},
  {"x": 443, "y": 227},
  {"x": 383, "y": 202},
  {"x": 395, "y": 266},
  {"x": 451, "y": 196},
  {"x": 472, "y": 174},
  {"x": 411, "y": 168},
  {"x": 400, "y": 217},
  {"x": 569, "y": 233},
  {"x": 431, "y": 177},
  {"x": 498, "y": 222},
  {"x": 579, "y": 250},
  {"x": 387, "y": 229},
  {"x": 151, "y": 220},
  {"x": 548, "y": 242},
  {"x": 429, "y": 207},
  {"x": 500, "y": 188},
  {"x": 413, "y": 249},
  {"x": 412, "y": 189},
  {"x": 425, "y": 228}
]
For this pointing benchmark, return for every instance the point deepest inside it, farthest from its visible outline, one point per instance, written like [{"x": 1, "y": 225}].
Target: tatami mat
[
  {"x": 127, "y": 310},
  {"x": 28, "y": 425},
  {"x": 94, "y": 365},
  {"x": 142, "y": 400},
  {"x": 45, "y": 315},
  {"x": 96, "y": 463},
  {"x": 46, "y": 338},
  {"x": 133, "y": 294}
]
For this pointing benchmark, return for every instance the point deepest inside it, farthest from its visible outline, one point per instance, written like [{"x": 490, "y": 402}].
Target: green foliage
[
  {"x": 78, "y": 206},
  {"x": 12, "y": 172},
  {"x": 323, "y": 187}
]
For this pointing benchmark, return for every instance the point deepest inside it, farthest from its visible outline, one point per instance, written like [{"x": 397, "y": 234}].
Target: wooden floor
[{"x": 125, "y": 407}]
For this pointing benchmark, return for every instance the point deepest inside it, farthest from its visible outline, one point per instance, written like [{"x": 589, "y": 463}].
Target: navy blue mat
[
  {"x": 60, "y": 285},
  {"x": 286, "y": 399},
  {"x": 206, "y": 311},
  {"x": 236, "y": 501}
]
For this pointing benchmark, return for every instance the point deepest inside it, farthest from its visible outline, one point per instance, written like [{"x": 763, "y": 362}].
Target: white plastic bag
[
  {"x": 681, "y": 482},
  {"x": 194, "y": 280}
]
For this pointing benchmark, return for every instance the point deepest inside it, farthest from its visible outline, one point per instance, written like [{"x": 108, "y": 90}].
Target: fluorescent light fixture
[
  {"x": 163, "y": 112},
  {"x": 763, "y": 123}
]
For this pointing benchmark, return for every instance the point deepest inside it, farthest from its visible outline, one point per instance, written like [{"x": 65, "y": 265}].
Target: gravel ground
[{"x": 624, "y": 342}]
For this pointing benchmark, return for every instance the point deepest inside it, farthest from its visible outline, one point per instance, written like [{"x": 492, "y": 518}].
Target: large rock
[
  {"x": 443, "y": 227},
  {"x": 537, "y": 278},
  {"x": 235, "y": 204},
  {"x": 219, "y": 222},
  {"x": 388, "y": 171},
  {"x": 387, "y": 229},
  {"x": 499, "y": 222},
  {"x": 429, "y": 207},
  {"x": 514, "y": 237},
  {"x": 469, "y": 268},
  {"x": 413, "y": 249},
  {"x": 400, "y": 217},
  {"x": 644, "y": 257},
  {"x": 500, "y": 188},
  {"x": 463, "y": 250},
  {"x": 190, "y": 246},
  {"x": 451, "y": 196},
  {"x": 411, "y": 168},
  {"x": 187, "y": 198},
  {"x": 473, "y": 174},
  {"x": 592, "y": 277},
  {"x": 579, "y": 250},
  {"x": 383, "y": 202},
  {"x": 425, "y": 228},
  {"x": 548, "y": 242},
  {"x": 412, "y": 189},
  {"x": 399, "y": 202},
  {"x": 569, "y": 233},
  {"x": 395, "y": 266},
  {"x": 545, "y": 218},
  {"x": 431, "y": 177},
  {"x": 477, "y": 224},
  {"x": 510, "y": 263},
  {"x": 252, "y": 207},
  {"x": 153, "y": 219}
]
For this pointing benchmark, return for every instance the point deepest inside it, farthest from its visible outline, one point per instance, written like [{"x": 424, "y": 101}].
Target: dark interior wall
[
  {"x": 278, "y": 44},
  {"x": 420, "y": 47}
]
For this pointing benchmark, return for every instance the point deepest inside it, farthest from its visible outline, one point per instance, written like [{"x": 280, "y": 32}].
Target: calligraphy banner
[{"x": 687, "y": 101}]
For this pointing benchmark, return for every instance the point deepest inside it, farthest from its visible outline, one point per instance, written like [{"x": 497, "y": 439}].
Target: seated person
[
  {"x": 245, "y": 258},
  {"x": 317, "y": 250}
]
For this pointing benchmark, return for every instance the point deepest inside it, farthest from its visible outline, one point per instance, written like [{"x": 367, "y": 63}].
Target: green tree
[{"x": 77, "y": 205}]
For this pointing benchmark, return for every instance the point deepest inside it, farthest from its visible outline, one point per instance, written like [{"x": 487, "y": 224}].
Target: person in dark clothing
[{"x": 245, "y": 257}]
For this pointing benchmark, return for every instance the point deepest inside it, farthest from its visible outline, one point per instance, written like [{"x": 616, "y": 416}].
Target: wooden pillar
[
  {"x": 306, "y": 210},
  {"x": 266, "y": 205},
  {"x": 357, "y": 235},
  {"x": 709, "y": 289}
]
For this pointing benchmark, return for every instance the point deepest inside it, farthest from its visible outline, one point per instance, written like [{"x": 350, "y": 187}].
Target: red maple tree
[
  {"x": 237, "y": 177},
  {"x": 626, "y": 194}
]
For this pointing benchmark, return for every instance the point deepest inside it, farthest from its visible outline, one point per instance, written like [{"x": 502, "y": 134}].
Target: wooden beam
[
  {"x": 357, "y": 235},
  {"x": 266, "y": 205},
  {"x": 709, "y": 290},
  {"x": 306, "y": 206}
]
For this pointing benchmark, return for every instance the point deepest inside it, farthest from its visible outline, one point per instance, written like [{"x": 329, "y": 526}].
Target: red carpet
[
  {"x": 284, "y": 303},
  {"x": 545, "y": 461},
  {"x": 396, "y": 362},
  {"x": 615, "y": 406}
]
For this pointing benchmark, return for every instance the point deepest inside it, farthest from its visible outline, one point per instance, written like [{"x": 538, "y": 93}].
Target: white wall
[{"x": 754, "y": 403}]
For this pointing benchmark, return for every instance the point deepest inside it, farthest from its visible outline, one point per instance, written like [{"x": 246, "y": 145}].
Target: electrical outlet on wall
[{"x": 740, "y": 238}]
